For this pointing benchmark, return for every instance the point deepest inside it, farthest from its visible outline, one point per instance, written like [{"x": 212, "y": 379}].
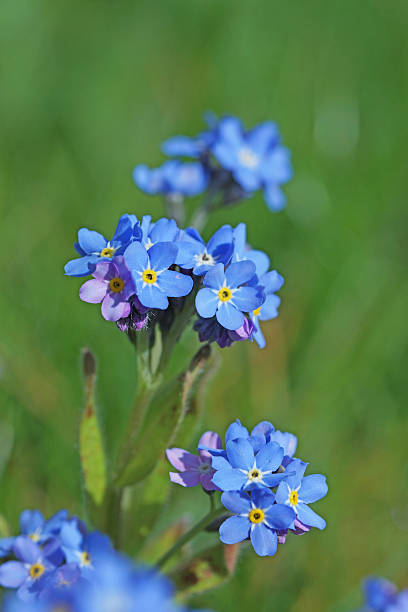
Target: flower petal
[
  {"x": 240, "y": 454},
  {"x": 207, "y": 483},
  {"x": 93, "y": 291},
  {"x": 206, "y": 303},
  {"x": 114, "y": 307},
  {"x": 280, "y": 516},
  {"x": 162, "y": 255},
  {"x": 181, "y": 459},
  {"x": 174, "y": 284},
  {"x": 229, "y": 479},
  {"x": 240, "y": 273},
  {"x": 82, "y": 266},
  {"x": 236, "y": 430},
  {"x": 215, "y": 277},
  {"x": 313, "y": 488},
  {"x": 309, "y": 517},
  {"x": 26, "y": 550},
  {"x": 136, "y": 256},
  {"x": 229, "y": 317},
  {"x": 152, "y": 297},
  {"x": 12, "y": 574},
  {"x": 274, "y": 197},
  {"x": 30, "y": 521},
  {"x": 234, "y": 529},
  {"x": 247, "y": 299},
  {"x": 236, "y": 502},
  {"x": 264, "y": 540},
  {"x": 186, "y": 479},
  {"x": 270, "y": 457},
  {"x": 90, "y": 241}
]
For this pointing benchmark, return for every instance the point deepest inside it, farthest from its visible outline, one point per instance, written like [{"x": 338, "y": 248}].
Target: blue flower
[
  {"x": 34, "y": 525},
  {"x": 256, "y": 517},
  {"x": 197, "y": 146},
  {"x": 33, "y": 562},
  {"x": 265, "y": 432},
  {"x": 298, "y": 491},
  {"x": 94, "y": 247},
  {"x": 154, "y": 281},
  {"x": 240, "y": 467},
  {"x": 225, "y": 296},
  {"x": 255, "y": 158},
  {"x": 84, "y": 549},
  {"x": 194, "y": 253},
  {"x": 174, "y": 178},
  {"x": 382, "y": 596},
  {"x": 163, "y": 230}
]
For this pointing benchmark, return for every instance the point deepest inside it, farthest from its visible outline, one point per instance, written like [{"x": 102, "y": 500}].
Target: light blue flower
[
  {"x": 257, "y": 517},
  {"x": 297, "y": 491},
  {"x": 195, "y": 254},
  {"x": 150, "y": 271},
  {"x": 174, "y": 178},
  {"x": 225, "y": 296},
  {"x": 94, "y": 247}
]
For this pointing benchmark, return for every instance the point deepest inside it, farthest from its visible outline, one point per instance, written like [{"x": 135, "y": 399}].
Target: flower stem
[{"x": 189, "y": 535}]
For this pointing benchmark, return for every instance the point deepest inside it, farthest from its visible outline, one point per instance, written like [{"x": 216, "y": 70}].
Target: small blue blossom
[
  {"x": 382, "y": 596},
  {"x": 163, "y": 230},
  {"x": 225, "y": 296},
  {"x": 297, "y": 491},
  {"x": 84, "y": 549},
  {"x": 195, "y": 254},
  {"x": 255, "y": 158},
  {"x": 152, "y": 277},
  {"x": 94, "y": 247},
  {"x": 257, "y": 517},
  {"x": 196, "y": 146},
  {"x": 243, "y": 468},
  {"x": 174, "y": 178}
]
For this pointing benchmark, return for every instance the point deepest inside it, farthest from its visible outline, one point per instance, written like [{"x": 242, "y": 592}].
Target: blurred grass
[{"x": 89, "y": 89}]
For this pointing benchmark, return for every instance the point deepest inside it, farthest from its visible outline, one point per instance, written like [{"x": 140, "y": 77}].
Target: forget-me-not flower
[
  {"x": 174, "y": 178},
  {"x": 195, "y": 254},
  {"x": 256, "y": 517},
  {"x": 194, "y": 470}
]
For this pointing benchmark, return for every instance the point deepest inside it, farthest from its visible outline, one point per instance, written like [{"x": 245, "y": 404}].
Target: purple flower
[
  {"x": 113, "y": 286},
  {"x": 193, "y": 469},
  {"x": 209, "y": 330}
]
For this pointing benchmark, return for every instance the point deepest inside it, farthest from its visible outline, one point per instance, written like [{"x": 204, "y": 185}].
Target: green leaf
[
  {"x": 90, "y": 440},
  {"x": 164, "y": 416}
]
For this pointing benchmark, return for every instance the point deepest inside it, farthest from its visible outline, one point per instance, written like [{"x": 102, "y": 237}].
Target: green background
[{"x": 89, "y": 89}]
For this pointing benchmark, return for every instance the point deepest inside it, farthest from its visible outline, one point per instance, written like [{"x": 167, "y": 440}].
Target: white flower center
[
  {"x": 204, "y": 259},
  {"x": 248, "y": 158}
]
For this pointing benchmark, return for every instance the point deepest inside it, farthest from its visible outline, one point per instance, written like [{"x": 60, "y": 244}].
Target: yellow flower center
[
  {"x": 224, "y": 294},
  {"x": 256, "y": 515},
  {"x": 85, "y": 558},
  {"x": 293, "y": 498},
  {"x": 34, "y": 536},
  {"x": 107, "y": 252},
  {"x": 37, "y": 570},
  {"x": 256, "y": 311},
  {"x": 254, "y": 474},
  {"x": 116, "y": 284},
  {"x": 149, "y": 276}
]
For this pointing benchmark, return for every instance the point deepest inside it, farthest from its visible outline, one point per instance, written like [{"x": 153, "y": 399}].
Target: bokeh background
[{"x": 89, "y": 89}]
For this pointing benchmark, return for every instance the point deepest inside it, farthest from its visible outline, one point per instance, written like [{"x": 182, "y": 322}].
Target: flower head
[
  {"x": 151, "y": 275},
  {"x": 113, "y": 286},
  {"x": 94, "y": 247},
  {"x": 257, "y": 517},
  {"x": 174, "y": 178},
  {"x": 193, "y": 469},
  {"x": 195, "y": 254},
  {"x": 225, "y": 296},
  {"x": 297, "y": 491}
]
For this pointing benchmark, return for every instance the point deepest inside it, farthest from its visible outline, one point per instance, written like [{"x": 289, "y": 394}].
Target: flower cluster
[
  {"x": 148, "y": 267},
  {"x": 263, "y": 484},
  {"x": 56, "y": 564},
  {"x": 229, "y": 159},
  {"x": 383, "y": 596}
]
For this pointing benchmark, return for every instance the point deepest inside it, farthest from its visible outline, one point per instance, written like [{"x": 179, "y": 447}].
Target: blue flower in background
[
  {"x": 174, "y": 178},
  {"x": 94, "y": 247},
  {"x": 256, "y": 517},
  {"x": 255, "y": 158},
  {"x": 195, "y": 254},
  {"x": 154, "y": 281},
  {"x": 84, "y": 549},
  {"x": 33, "y": 563},
  {"x": 225, "y": 296},
  {"x": 239, "y": 467},
  {"x": 196, "y": 146},
  {"x": 297, "y": 491},
  {"x": 382, "y": 596}
]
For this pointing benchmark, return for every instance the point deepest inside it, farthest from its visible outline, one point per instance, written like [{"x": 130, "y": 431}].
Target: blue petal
[
  {"x": 239, "y": 273},
  {"x": 70, "y": 535},
  {"x": 127, "y": 228},
  {"x": 277, "y": 168},
  {"x": 247, "y": 178},
  {"x": 280, "y": 516},
  {"x": 221, "y": 236},
  {"x": 30, "y": 521},
  {"x": 313, "y": 488},
  {"x": 283, "y": 492},
  {"x": 215, "y": 277},
  {"x": 78, "y": 249},
  {"x": 206, "y": 303},
  {"x": 274, "y": 197},
  {"x": 229, "y": 317},
  {"x": 90, "y": 241},
  {"x": 12, "y": 574},
  {"x": 261, "y": 261},
  {"x": 6, "y": 545},
  {"x": 262, "y": 498},
  {"x": 236, "y": 430},
  {"x": 82, "y": 266},
  {"x": 162, "y": 255},
  {"x": 186, "y": 252},
  {"x": 180, "y": 146},
  {"x": 269, "y": 457},
  {"x": 149, "y": 181},
  {"x": 239, "y": 234},
  {"x": 164, "y": 230},
  {"x": 136, "y": 257},
  {"x": 247, "y": 299},
  {"x": 219, "y": 462},
  {"x": 151, "y": 297},
  {"x": 174, "y": 284},
  {"x": 234, "y": 529},
  {"x": 272, "y": 480},
  {"x": 286, "y": 440},
  {"x": 258, "y": 336},
  {"x": 269, "y": 309},
  {"x": 379, "y": 593},
  {"x": 229, "y": 479},
  {"x": 189, "y": 179},
  {"x": 231, "y": 130},
  {"x": 309, "y": 517},
  {"x": 263, "y": 137},
  {"x": 298, "y": 467},
  {"x": 26, "y": 550},
  {"x": 264, "y": 540},
  {"x": 236, "y": 502},
  {"x": 271, "y": 281},
  {"x": 240, "y": 454},
  {"x": 264, "y": 428}
]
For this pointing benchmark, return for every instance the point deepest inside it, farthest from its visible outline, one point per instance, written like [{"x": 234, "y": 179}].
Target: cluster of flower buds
[
  {"x": 263, "y": 484},
  {"x": 228, "y": 159},
  {"x": 148, "y": 270},
  {"x": 56, "y": 564},
  {"x": 383, "y": 596}
]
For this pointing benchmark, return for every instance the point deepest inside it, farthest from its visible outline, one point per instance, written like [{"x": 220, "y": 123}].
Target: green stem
[
  {"x": 189, "y": 535},
  {"x": 114, "y": 515}
]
